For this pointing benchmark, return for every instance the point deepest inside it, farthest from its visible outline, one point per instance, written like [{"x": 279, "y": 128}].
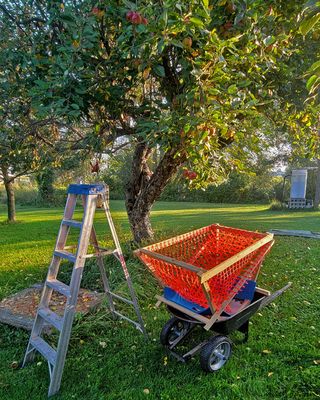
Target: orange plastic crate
[{"x": 210, "y": 265}]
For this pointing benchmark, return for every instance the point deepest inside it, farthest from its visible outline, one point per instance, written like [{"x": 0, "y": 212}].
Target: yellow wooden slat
[{"x": 205, "y": 276}]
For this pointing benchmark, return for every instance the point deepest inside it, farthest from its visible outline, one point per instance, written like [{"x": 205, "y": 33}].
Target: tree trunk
[
  {"x": 317, "y": 193},
  {"x": 145, "y": 187},
  {"x": 11, "y": 203},
  {"x": 140, "y": 224}
]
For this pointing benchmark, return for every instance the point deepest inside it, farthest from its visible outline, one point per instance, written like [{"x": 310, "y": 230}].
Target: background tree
[
  {"x": 310, "y": 27},
  {"x": 310, "y": 24},
  {"x": 29, "y": 143},
  {"x": 191, "y": 78}
]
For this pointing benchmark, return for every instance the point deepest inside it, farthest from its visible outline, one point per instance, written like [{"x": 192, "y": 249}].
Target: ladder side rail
[
  {"x": 123, "y": 262},
  {"x": 74, "y": 290},
  {"x": 52, "y": 272},
  {"x": 100, "y": 262},
  {"x": 60, "y": 242},
  {"x": 68, "y": 214}
]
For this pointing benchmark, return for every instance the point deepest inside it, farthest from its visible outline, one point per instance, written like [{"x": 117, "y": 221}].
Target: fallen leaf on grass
[
  {"x": 270, "y": 374},
  {"x": 266, "y": 351}
]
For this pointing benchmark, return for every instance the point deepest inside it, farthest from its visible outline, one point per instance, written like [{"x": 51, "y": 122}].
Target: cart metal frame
[{"x": 222, "y": 325}]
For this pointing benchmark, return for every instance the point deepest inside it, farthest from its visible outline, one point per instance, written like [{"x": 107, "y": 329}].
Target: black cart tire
[
  {"x": 174, "y": 328},
  {"x": 215, "y": 353}
]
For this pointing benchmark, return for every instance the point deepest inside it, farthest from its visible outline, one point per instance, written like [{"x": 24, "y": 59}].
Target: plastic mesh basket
[{"x": 208, "y": 265}]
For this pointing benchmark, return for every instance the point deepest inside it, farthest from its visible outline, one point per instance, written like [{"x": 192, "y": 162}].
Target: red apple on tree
[
  {"x": 136, "y": 18},
  {"x": 192, "y": 175},
  {"x": 129, "y": 15},
  {"x": 186, "y": 173}
]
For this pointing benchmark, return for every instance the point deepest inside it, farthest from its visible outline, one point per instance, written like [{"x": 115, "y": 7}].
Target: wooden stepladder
[{"x": 56, "y": 357}]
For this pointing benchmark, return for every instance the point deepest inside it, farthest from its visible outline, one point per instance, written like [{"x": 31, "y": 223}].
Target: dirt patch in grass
[{"x": 20, "y": 309}]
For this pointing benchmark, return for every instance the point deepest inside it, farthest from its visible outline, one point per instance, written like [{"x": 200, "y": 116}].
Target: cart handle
[{"x": 269, "y": 299}]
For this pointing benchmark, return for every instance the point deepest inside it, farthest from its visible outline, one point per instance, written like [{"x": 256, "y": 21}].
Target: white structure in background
[{"x": 299, "y": 179}]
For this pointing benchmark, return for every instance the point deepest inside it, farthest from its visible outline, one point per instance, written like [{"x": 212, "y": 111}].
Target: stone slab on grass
[
  {"x": 20, "y": 309},
  {"x": 298, "y": 233}
]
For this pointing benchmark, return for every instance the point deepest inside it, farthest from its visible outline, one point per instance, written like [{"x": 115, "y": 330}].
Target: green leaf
[
  {"x": 244, "y": 83},
  {"x": 269, "y": 40},
  {"x": 315, "y": 68},
  {"x": 130, "y": 4},
  {"x": 42, "y": 84},
  {"x": 159, "y": 70},
  {"x": 165, "y": 17},
  {"x": 197, "y": 22},
  {"x": 308, "y": 23},
  {"x": 205, "y": 134},
  {"x": 177, "y": 43},
  {"x": 232, "y": 89},
  {"x": 310, "y": 82},
  {"x": 315, "y": 85}
]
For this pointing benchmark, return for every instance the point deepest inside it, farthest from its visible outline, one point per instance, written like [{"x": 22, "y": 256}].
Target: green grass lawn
[{"x": 110, "y": 360}]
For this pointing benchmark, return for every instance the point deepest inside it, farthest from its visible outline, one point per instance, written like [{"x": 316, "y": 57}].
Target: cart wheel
[
  {"x": 215, "y": 353},
  {"x": 174, "y": 328}
]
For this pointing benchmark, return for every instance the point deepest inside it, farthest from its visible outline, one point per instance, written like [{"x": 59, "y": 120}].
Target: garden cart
[{"x": 209, "y": 278}]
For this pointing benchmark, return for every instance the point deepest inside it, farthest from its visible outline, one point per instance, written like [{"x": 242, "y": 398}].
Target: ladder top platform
[{"x": 86, "y": 189}]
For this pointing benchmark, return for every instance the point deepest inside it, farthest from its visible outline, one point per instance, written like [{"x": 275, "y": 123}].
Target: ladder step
[
  {"x": 45, "y": 349},
  {"x": 59, "y": 287},
  {"x": 136, "y": 324},
  {"x": 72, "y": 246},
  {"x": 65, "y": 254},
  {"x": 116, "y": 254},
  {"x": 100, "y": 254},
  {"x": 73, "y": 223},
  {"x": 121, "y": 298},
  {"x": 51, "y": 317}
]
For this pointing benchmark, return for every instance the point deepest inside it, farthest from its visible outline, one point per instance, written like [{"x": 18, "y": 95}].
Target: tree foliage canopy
[
  {"x": 196, "y": 79},
  {"x": 197, "y": 76}
]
